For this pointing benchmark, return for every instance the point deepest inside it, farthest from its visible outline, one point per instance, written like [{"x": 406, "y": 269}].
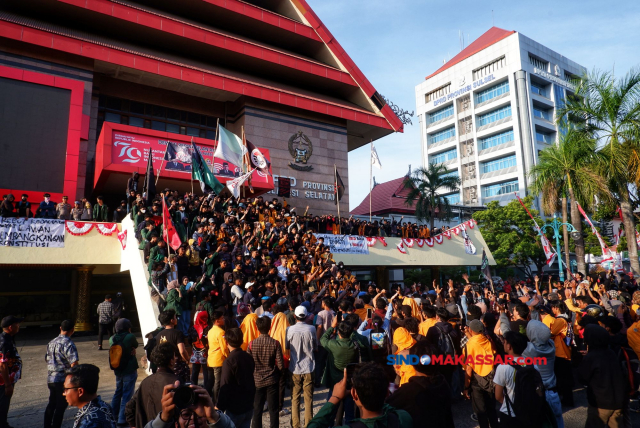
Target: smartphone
[
  {"x": 351, "y": 369},
  {"x": 369, "y": 313},
  {"x": 339, "y": 316}
]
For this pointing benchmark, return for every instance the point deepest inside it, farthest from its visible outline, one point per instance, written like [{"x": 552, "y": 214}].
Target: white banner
[
  {"x": 344, "y": 244},
  {"x": 32, "y": 232}
]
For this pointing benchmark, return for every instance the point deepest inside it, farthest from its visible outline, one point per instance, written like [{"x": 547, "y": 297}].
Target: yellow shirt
[
  {"x": 479, "y": 345},
  {"x": 218, "y": 350},
  {"x": 424, "y": 326},
  {"x": 633, "y": 336},
  {"x": 559, "y": 330}
]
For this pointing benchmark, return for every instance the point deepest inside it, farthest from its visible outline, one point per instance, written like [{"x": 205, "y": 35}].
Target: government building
[{"x": 489, "y": 110}]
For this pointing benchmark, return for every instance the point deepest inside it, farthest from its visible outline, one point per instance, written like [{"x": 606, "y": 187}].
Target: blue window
[
  {"x": 500, "y": 189},
  {"x": 543, "y": 137},
  {"x": 542, "y": 114},
  {"x": 498, "y": 164},
  {"x": 442, "y": 135},
  {"x": 496, "y": 140},
  {"x": 536, "y": 89},
  {"x": 441, "y": 114},
  {"x": 445, "y": 156},
  {"x": 453, "y": 173},
  {"x": 492, "y": 116},
  {"x": 492, "y": 92},
  {"x": 453, "y": 198},
  {"x": 112, "y": 117}
]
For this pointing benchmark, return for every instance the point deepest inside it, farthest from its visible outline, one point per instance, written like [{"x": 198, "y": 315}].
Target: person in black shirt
[
  {"x": 24, "y": 207},
  {"x": 170, "y": 334}
]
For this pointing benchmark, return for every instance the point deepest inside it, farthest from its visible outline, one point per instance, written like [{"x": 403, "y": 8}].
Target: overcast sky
[{"x": 397, "y": 43}]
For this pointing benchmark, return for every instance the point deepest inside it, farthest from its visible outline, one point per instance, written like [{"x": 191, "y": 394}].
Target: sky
[{"x": 397, "y": 43}]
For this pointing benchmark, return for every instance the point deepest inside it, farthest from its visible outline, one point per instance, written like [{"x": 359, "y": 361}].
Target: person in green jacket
[
  {"x": 146, "y": 235},
  {"x": 370, "y": 388},
  {"x": 157, "y": 254},
  {"x": 127, "y": 370},
  {"x": 100, "y": 211},
  {"x": 174, "y": 298}
]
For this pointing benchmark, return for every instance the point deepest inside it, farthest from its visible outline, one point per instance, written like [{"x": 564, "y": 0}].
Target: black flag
[
  {"x": 486, "y": 272},
  {"x": 284, "y": 187},
  {"x": 257, "y": 158},
  {"x": 171, "y": 153},
  {"x": 150, "y": 179},
  {"x": 339, "y": 188}
]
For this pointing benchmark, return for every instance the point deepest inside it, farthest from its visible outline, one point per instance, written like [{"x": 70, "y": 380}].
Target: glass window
[
  {"x": 492, "y": 116},
  {"x": 159, "y": 112},
  {"x": 136, "y": 121},
  {"x": 112, "y": 117},
  {"x": 445, "y": 156},
  {"x": 496, "y": 140},
  {"x": 542, "y": 114},
  {"x": 441, "y": 114},
  {"x": 211, "y": 135},
  {"x": 194, "y": 132},
  {"x": 500, "y": 189},
  {"x": 158, "y": 126},
  {"x": 442, "y": 135},
  {"x": 193, "y": 118},
  {"x": 136, "y": 107},
  {"x": 453, "y": 173},
  {"x": 114, "y": 103},
  {"x": 492, "y": 92},
  {"x": 453, "y": 198},
  {"x": 536, "y": 89},
  {"x": 498, "y": 164},
  {"x": 173, "y": 128},
  {"x": 173, "y": 114},
  {"x": 543, "y": 137}
]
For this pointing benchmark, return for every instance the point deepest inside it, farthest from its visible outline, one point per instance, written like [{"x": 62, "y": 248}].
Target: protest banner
[
  {"x": 344, "y": 244},
  {"x": 32, "y": 232}
]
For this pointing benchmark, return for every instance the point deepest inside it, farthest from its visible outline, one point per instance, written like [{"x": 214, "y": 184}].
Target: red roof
[
  {"x": 386, "y": 198},
  {"x": 494, "y": 35}
]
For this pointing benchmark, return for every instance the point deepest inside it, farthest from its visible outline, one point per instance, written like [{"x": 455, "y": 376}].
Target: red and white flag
[
  {"x": 408, "y": 242},
  {"x": 381, "y": 239},
  {"x": 548, "y": 253},
  {"x": 438, "y": 239},
  {"x": 401, "y": 248},
  {"x": 420, "y": 242},
  {"x": 606, "y": 253},
  {"x": 428, "y": 241},
  {"x": 371, "y": 241},
  {"x": 122, "y": 237}
]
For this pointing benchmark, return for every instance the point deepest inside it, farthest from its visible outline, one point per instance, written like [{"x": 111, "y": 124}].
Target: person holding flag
[{"x": 230, "y": 147}]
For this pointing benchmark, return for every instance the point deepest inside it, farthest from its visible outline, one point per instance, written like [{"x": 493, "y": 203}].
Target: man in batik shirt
[
  {"x": 10, "y": 365},
  {"x": 61, "y": 356}
]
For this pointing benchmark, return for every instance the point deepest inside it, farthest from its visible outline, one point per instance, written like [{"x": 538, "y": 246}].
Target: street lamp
[{"x": 555, "y": 225}]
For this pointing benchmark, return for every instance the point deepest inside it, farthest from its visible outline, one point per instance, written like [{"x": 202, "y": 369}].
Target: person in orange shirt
[
  {"x": 429, "y": 313},
  {"x": 218, "y": 352},
  {"x": 561, "y": 332},
  {"x": 477, "y": 379},
  {"x": 403, "y": 341}
]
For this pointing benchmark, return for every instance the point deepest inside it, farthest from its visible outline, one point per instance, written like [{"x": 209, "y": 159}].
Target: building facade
[{"x": 488, "y": 112}]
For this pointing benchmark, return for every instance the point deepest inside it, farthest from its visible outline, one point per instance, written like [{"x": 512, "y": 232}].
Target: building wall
[{"x": 464, "y": 81}]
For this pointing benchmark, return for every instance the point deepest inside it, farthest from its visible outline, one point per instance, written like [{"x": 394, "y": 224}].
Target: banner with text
[
  {"x": 32, "y": 232},
  {"x": 344, "y": 244}
]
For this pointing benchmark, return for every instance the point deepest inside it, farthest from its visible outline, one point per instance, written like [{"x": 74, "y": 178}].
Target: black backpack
[
  {"x": 445, "y": 343},
  {"x": 529, "y": 400}
]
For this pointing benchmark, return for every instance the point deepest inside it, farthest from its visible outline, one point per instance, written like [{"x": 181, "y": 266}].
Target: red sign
[{"x": 133, "y": 150}]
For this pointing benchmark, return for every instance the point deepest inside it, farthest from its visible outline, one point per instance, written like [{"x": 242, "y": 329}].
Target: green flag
[
  {"x": 201, "y": 172},
  {"x": 230, "y": 147}
]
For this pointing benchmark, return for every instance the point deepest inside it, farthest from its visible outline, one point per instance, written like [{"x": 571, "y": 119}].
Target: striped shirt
[{"x": 267, "y": 356}]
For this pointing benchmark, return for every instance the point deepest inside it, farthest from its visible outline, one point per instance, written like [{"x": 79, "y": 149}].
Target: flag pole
[
  {"x": 192, "y": 169},
  {"x": 370, "y": 178},
  {"x": 335, "y": 180},
  {"x": 242, "y": 168},
  {"x": 162, "y": 164}
]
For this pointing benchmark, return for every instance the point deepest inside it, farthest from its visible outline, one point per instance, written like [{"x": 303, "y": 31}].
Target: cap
[
  {"x": 123, "y": 325},
  {"x": 301, "y": 312},
  {"x": 249, "y": 284},
  {"x": 211, "y": 220},
  {"x": 476, "y": 326},
  {"x": 47, "y": 195},
  {"x": 10, "y": 320}
]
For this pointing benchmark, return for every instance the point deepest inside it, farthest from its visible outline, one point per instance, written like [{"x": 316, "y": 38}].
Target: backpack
[
  {"x": 117, "y": 357},
  {"x": 529, "y": 400},
  {"x": 445, "y": 344},
  {"x": 630, "y": 367}
]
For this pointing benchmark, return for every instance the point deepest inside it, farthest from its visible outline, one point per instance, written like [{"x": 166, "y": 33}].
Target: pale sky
[{"x": 397, "y": 43}]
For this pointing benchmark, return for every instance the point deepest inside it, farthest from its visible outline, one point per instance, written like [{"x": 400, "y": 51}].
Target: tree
[
  {"x": 609, "y": 112},
  {"x": 425, "y": 185},
  {"x": 511, "y": 236},
  {"x": 565, "y": 170}
]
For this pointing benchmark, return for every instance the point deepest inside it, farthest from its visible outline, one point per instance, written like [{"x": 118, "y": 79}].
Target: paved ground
[{"x": 31, "y": 393}]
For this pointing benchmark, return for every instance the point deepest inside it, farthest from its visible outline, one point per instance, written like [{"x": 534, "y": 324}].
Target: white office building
[{"x": 489, "y": 111}]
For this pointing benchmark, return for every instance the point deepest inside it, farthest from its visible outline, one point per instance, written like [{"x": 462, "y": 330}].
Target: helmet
[{"x": 595, "y": 311}]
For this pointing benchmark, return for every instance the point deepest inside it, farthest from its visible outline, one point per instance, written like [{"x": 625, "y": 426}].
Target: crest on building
[{"x": 301, "y": 149}]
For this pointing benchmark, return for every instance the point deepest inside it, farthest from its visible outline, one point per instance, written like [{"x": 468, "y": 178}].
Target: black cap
[{"x": 10, "y": 320}]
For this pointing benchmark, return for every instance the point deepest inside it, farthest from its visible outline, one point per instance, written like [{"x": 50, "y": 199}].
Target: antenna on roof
[
  {"x": 409, "y": 173},
  {"x": 492, "y": 22}
]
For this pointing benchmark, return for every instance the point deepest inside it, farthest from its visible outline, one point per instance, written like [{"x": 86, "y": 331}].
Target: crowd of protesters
[{"x": 253, "y": 304}]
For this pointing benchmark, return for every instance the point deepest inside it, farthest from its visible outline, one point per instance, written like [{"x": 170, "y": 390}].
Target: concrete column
[
  {"x": 525, "y": 123},
  {"x": 382, "y": 276},
  {"x": 83, "y": 306}
]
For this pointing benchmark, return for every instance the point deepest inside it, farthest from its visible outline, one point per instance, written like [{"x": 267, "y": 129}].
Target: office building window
[
  {"x": 494, "y": 115},
  {"x": 487, "y": 69},
  {"x": 442, "y": 135},
  {"x": 542, "y": 114},
  {"x": 453, "y": 198},
  {"x": 539, "y": 63},
  {"x": 498, "y": 164},
  {"x": 494, "y": 91},
  {"x": 500, "y": 189},
  {"x": 496, "y": 140},
  {"x": 444, "y": 156},
  {"x": 453, "y": 173},
  {"x": 437, "y": 93},
  {"x": 441, "y": 114},
  {"x": 538, "y": 89},
  {"x": 544, "y": 137}
]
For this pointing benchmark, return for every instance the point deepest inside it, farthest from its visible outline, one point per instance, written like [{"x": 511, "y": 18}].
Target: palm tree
[
  {"x": 609, "y": 111},
  {"x": 424, "y": 186},
  {"x": 565, "y": 170}
]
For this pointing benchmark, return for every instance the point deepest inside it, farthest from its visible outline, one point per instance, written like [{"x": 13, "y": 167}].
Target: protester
[
  {"x": 100, "y": 210},
  {"x": 105, "y": 319},
  {"x": 10, "y": 364},
  {"x": 61, "y": 355},
  {"x": 126, "y": 370},
  {"x": 80, "y": 390},
  {"x": 302, "y": 343},
  {"x": 170, "y": 334},
  {"x": 24, "y": 207},
  {"x": 218, "y": 352}
]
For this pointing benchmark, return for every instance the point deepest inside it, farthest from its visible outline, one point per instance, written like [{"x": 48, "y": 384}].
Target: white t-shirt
[{"x": 506, "y": 377}]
